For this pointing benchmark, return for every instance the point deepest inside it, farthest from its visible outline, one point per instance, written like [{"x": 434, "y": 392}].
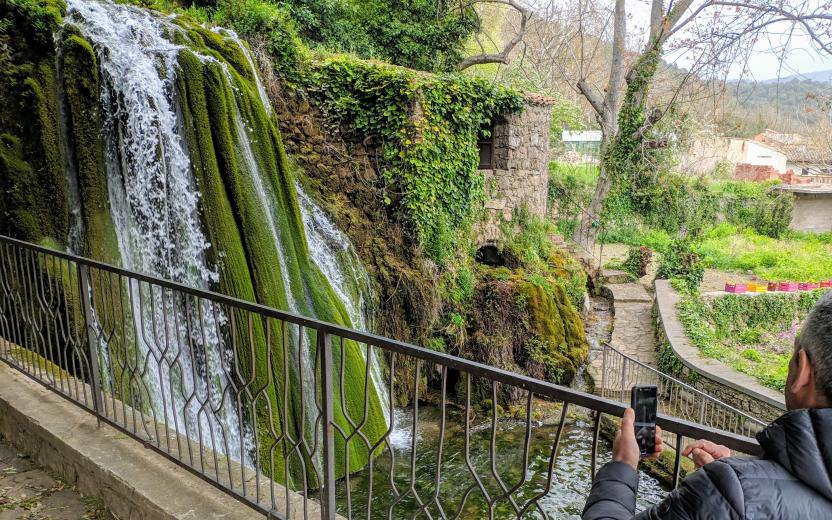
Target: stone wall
[
  {"x": 349, "y": 167},
  {"x": 708, "y": 375},
  {"x": 812, "y": 212},
  {"x": 520, "y": 176}
]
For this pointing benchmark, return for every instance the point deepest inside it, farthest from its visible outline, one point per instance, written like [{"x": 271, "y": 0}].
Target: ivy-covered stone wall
[{"x": 519, "y": 177}]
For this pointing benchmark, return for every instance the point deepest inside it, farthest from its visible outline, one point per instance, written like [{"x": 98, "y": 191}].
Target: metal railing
[
  {"x": 619, "y": 372},
  {"x": 199, "y": 378}
]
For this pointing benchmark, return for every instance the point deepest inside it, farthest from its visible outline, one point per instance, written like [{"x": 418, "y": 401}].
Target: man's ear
[{"x": 803, "y": 384}]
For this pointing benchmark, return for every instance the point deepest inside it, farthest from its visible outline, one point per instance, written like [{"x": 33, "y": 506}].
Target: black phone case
[{"x": 645, "y": 432}]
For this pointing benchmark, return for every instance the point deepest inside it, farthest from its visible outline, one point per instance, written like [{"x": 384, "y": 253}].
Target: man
[{"x": 793, "y": 478}]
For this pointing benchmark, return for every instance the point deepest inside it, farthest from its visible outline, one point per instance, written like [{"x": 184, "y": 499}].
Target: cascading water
[
  {"x": 338, "y": 261},
  {"x": 155, "y": 213},
  {"x": 154, "y": 193}
]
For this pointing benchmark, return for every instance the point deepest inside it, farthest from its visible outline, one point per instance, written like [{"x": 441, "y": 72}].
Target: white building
[{"x": 705, "y": 154}]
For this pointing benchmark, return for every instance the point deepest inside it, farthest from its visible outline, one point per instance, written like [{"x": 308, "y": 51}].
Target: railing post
[
  {"x": 328, "y": 483},
  {"x": 92, "y": 344},
  {"x": 623, "y": 376},
  {"x": 604, "y": 370}
]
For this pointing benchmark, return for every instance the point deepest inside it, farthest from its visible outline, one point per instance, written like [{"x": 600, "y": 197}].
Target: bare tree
[
  {"x": 504, "y": 55},
  {"x": 713, "y": 34}
]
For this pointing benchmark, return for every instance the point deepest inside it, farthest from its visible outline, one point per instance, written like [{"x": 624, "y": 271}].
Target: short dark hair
[{"x": 816, "y": 339}]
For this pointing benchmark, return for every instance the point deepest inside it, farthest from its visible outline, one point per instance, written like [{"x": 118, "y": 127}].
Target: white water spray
[
  {"x": 154, "y": 204},
  {"x": 337, "y": 259}
]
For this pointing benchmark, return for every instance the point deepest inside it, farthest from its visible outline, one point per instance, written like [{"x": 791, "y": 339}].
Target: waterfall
[
  {"x": 337, "y": 259},
  {"x": 154, "y": 204},
  {"x": 330, "y": 249},
  {"x": 157, "y": 212}
]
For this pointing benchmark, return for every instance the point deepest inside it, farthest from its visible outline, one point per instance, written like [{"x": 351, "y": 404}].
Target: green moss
[
  {"x": 20, "y": 194},
  {"x": 247, "y": 236},
  {"x": 53, "y": 198},
  {"x": 83, "y": 88},
  {"x": 560, "y": 337}
]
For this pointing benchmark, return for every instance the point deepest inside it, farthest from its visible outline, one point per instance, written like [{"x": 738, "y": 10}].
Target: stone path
[
  {"x": 29, "y": 493},
  {"x": 632, "y": 334},
  {"x": 632, "y": 331}
]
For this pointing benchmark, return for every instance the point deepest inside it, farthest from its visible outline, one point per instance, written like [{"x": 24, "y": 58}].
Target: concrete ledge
[
  {"x": 135, "y": 483},
  {"x": 666, "y": 300}
]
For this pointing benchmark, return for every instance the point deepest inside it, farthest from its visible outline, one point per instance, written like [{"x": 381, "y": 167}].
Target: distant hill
[
  {"x": 821, "y": 76},
  {"x": 792, "y": 104}
]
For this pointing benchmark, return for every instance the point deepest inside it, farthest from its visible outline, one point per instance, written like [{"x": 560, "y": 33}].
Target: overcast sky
[{"x": 763, "y": 64}]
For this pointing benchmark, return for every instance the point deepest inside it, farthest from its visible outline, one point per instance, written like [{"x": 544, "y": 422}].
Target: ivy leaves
[{"x": 428, "y": 126}]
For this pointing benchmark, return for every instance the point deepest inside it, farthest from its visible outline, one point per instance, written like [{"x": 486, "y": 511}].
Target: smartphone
[{"x": 643, "y": 401}]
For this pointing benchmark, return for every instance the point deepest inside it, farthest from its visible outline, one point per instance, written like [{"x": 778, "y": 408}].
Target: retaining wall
[{"x": 709, "y": 375}]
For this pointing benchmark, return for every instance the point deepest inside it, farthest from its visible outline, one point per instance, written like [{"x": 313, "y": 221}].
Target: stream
[{"x": 571, "y": 472}]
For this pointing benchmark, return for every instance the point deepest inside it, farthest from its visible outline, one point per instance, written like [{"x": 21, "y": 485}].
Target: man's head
[{"x": 809, "y": 383}]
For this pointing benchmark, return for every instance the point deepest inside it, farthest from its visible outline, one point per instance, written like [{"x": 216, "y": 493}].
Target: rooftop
[{"x": 820, "y": 189}]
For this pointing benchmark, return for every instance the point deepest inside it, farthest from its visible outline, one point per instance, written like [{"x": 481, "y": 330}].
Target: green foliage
[
  {"x": 419, "y": 34},
  {"x": 637, "y": 261},
  {"x": 570, "y": 188},
  {"x": 753, "y": 334},
  {"x": 754, "y": 204},
  {"x": 795, "y": 257},
  {"x": 680, "y": 261},
  {"x": 669, "y": 363},
  {"x": 752, "y": 355},
  {"x": 566, "y": 115},
  {"x": 266, "y": 22},
  {"x": 428, "y": 128}
]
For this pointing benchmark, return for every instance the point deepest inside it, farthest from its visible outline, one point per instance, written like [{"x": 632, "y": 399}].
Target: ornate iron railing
[
  {"x": 619, "y": 372},
  {"x": 171, "y": 366}
]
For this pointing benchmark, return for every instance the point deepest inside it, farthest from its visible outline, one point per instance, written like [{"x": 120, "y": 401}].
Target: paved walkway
[
  {"x": 632, "y": 331},
  {"x": 27, "y": 492},
  {"x": 632, "y": 334}
]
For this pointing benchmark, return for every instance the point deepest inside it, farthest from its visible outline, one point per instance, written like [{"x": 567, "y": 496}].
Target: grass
[
  {"x": 799, "y": 257},
  {"x": 752, "y": 334}
]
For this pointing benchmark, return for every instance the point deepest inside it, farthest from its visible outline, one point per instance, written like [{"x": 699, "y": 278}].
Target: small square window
[{"x": 485, "y": 144}]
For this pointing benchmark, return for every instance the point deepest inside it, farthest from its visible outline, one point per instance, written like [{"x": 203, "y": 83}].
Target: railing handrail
[
  {"x": 537, "y": 386},
  {"x": 686, "y": 386}
]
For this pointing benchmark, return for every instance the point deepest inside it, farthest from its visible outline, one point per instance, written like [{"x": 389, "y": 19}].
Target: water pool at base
[
  {"x": 565, "y": 499},
  {"x": 411, "y": 478}
]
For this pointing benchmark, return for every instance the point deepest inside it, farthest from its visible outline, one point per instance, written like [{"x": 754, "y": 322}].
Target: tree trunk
[{"x": 586, "y": 233}]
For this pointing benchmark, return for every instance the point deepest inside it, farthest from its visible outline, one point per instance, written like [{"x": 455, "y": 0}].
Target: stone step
[
  {"x": 629, "y": 293},
  {"x": 614, "y": 276}
]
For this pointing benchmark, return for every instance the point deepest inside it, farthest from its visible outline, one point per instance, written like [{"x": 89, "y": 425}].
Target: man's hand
[
  {"x": 703, "y": 452},
  {"x": 625, "y": 446}
]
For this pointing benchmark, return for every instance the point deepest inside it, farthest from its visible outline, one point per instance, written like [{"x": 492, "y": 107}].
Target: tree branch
[
  {"x": 591, "y": 95},
  {"x": 504, "y": 55}
]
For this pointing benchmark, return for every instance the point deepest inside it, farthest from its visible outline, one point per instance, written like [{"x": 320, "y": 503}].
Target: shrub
[
  {"x": 638, "y": 260},
  {"x": 752, "y": 355},
  {"x": 680, "y": 261},
  {"x": 772, "y": 214}
]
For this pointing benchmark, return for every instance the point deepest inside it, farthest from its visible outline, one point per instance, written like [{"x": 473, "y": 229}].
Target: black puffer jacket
[{"x": 792, "y": 480}]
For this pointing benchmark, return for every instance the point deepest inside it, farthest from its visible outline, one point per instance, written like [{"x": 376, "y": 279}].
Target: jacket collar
[{"x": 801, "y": 442}]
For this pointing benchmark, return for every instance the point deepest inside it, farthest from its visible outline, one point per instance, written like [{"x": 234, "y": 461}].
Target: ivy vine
[{"x": 427, "y": 127}]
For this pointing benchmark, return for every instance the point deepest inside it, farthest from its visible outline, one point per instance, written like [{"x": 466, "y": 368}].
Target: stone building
[
  {"x": 812, "y": 207},
  {"x": 515, "y": 162}
]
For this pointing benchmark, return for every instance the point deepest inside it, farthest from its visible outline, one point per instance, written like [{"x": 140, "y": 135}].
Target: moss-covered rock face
[
  {"x": 248, "y": 207},
  {"x": 526, "y": 324},
  {"x": 33, "y": 202}
]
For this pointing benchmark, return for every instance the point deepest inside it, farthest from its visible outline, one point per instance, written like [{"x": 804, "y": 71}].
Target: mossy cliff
[
  {"x": 33, "y": 188},
  {"x": 520, "y": 322},
  {"x": 238, "y": 161},
  {"x": 239, "y": 229}
]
